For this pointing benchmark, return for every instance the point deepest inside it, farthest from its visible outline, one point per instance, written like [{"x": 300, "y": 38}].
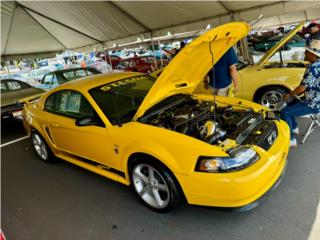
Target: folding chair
[{"x": 315, "y": 123}]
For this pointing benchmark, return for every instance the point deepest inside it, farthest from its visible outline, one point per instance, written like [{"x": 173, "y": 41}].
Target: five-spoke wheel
[
  {"x": 155, "y": 185},
  {"x": 270, "y": 97},
  {"x": 41, "y": 147}
]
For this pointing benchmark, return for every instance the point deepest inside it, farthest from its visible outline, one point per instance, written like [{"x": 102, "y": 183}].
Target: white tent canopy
[{"x": 29, "y": 27}]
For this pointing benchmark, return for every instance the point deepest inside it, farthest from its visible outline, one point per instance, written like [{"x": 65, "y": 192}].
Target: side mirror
[{"x": 87, "y": 121}]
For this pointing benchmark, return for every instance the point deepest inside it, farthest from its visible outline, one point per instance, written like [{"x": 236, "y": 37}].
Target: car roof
[
  {"x": 137, "y": 57},
  {"x": 87, "y": 83},
  {"x": 10, "y": 79},
  {"x": 73, "y": 69}
]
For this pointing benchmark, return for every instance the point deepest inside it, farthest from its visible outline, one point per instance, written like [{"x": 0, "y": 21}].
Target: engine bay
[{"x": 205, "y": 121}]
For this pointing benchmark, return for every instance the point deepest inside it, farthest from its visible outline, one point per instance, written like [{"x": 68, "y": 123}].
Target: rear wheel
[
  {"x": 41, "y": 148},
  {"x": 155, "y": 186},
  {"x": 271, "y": 96}
]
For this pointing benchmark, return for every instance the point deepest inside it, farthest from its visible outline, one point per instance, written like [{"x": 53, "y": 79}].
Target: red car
[
  {"x": 114, "y": 60},
  {"x": 143, "y": 64}
]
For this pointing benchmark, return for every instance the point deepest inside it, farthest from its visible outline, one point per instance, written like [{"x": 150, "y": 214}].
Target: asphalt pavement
[
  {"x": 61, "y": 201},
  {"x": 11, "y": 130}
]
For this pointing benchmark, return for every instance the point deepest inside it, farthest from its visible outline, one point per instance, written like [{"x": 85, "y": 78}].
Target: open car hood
[
  {"x": 279, "y": 45},
  {"x": 191, "y": 64}
]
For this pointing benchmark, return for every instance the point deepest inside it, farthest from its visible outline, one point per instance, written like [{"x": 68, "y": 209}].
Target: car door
[{"x": 88, "y": 142}]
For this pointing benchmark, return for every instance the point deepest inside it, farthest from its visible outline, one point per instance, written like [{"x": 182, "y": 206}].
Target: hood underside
[
  {"x": 280, "y": 44},
  {"x": 191, "y": 65}
]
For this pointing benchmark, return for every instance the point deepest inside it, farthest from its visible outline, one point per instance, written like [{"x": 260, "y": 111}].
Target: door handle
[{"x": 54, "y": 124}]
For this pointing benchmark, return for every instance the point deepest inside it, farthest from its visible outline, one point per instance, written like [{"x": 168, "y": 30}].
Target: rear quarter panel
[
  {"x": 252, "y": 79},
  {"x": 36, "y": 119}
]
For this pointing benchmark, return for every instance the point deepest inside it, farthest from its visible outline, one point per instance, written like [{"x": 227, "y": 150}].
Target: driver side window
[{"x": 70, "y": 104}]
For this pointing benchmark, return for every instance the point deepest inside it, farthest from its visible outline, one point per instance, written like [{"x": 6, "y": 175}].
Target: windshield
[{"x": 120, "y": 100}]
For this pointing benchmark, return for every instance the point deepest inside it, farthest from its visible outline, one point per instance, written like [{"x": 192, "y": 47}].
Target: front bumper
[
  {"x": 257, "y": 202},
  {"x": 241, "y": 189}
]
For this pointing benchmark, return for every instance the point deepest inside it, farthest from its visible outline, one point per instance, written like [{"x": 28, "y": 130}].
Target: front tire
[
  {"x": 41, "y": 147},
  {"x": 155, "y": 186}
]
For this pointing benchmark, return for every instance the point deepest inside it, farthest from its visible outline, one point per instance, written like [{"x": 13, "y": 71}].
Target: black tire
[
  {"x": 41, "y": 148},
  {"x": 171, "y": 197},
  {"x": 270, "y": 96}
]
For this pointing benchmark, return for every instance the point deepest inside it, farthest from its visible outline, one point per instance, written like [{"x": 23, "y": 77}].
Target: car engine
[{"x": 207, "y": 122}]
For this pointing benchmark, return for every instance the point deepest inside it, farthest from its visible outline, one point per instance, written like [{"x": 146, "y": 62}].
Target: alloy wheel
[
  {"x": 40, "y": 146},
  {"x": 271, "y": 98},
  {"x": 150, "y": 186}
]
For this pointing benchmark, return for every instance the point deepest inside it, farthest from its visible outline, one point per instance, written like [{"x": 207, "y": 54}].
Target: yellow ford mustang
[{"x": 161, "y": 139}]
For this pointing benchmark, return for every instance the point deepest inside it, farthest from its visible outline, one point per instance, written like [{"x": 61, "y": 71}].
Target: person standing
[
  {"x": 174, "y": 52},
  {"x": 310, "y": 86},
  {"x": 223, "y": 74}
]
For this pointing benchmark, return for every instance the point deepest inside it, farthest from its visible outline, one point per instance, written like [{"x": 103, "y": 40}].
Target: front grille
[{"x": 264, "y": 136}]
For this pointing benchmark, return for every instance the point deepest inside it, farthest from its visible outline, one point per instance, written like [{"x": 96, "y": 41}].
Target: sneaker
[
  {"x": 296, "y": 131},
  {"x": 293, "y": 143}
]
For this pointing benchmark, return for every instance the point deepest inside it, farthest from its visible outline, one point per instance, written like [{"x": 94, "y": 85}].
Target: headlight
[{"x": 239, "y": 158}]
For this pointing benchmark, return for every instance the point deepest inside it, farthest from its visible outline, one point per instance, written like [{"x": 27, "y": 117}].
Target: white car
[{"x": 34, "y": 76}]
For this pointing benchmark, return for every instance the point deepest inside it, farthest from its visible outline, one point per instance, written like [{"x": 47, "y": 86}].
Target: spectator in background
[
  {"x": 312, "y": 31},
  {"x": 313, "y": 28},
  {"x": 182, "y": 45},
  {"x": 83, "y": 63},
  {"x": 223, "y": 74},
  {"x": 174, "y": 52}
]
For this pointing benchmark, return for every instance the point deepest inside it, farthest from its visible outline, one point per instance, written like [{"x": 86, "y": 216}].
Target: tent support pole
[
  {"x": 160, "y": 53},
  {"x": 106, "y": 51},
  {"x": 244, "y": 50},
  {"x": 154, "y": 57}
]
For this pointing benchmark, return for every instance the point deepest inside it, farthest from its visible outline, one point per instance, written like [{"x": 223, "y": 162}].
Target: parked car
[
  {"x": 160, "y": 138},
  {"x": 295, "y": 41},
  {"x": 145, "y": 64},
  {"x": 14, "y": 94},
  {"x": 266, "y": 82},
  {"x": 99, "y": 64},
  {"x": 35, "y": 75},
  {"x": 54, "y": 79},
  {"x": 111, "y": 60},
  {"x": 114, "y": 60},
  {"x": 150, "y": 59}
]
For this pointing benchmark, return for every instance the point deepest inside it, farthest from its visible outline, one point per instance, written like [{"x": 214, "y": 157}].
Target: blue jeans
[{"x": 296, "y": 109}]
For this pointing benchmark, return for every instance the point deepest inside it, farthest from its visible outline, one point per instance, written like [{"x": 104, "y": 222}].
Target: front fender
[
  {"x": 153, "y": 149},
  {"x": 177, "y": 151}
]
